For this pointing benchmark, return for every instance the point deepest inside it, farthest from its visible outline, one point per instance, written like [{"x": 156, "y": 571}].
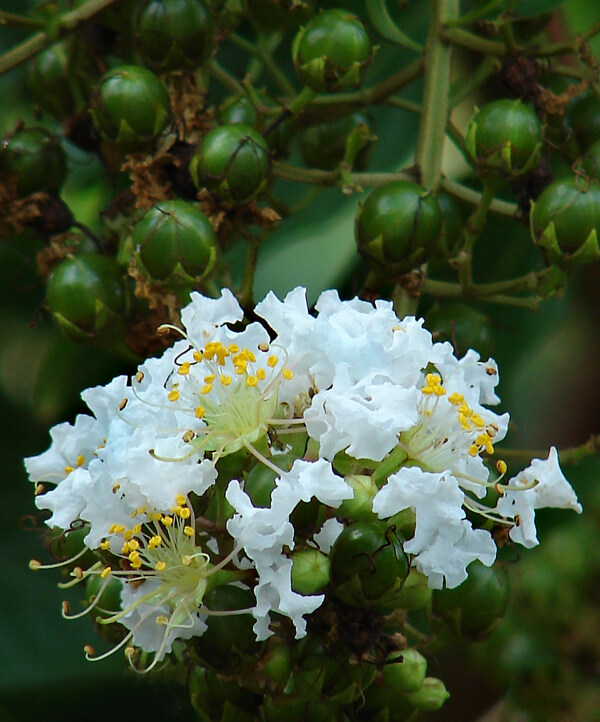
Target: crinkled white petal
[
  {"x": 329, "y": 532},
  {"x": 308, "y": 479},
  {"x": 444, "y": 543},
  {"x": 203, "y": 314},
  {"x": 552, "y": 490}
]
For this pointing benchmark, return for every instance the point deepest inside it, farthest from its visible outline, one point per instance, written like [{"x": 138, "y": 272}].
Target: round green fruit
[
  {"x": 310, "y": 571},
  {"x": 332, "y": 52},
  {"x": 505, "y": 136},
  {"x": 233, "y": 163},
  {"x": 583, "y": 118},
  {"x": 87, "y": 297},
  {"x": 35, "y": 159},
  {"x": 173, "y": 34},
  {"x": 175, "y": 235},
  {"x": 398, "y": 226},
  {"x": 130, "y": 106}
]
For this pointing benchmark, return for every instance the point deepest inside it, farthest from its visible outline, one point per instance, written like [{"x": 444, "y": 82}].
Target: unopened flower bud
[
  {"x": 360, "y": 506},
  {"x": 310, "y": 571},
  {"x": 431, "y": 696},
  {"x": 35, "y": 159}
]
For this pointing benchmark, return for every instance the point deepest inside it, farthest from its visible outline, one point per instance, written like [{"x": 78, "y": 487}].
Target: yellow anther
[
  {"x": 123, "y": 404},
  {"x": 206, "y": 389},
  {"x": 288, "y": 374},
  {"x": 80, "y": 460},
  {"x": 433, "y": 379},
  {"x": 154, "y": 541},
  {"x": 128, "y": 534},
  {"x": 134, "y": 556},
  {"x": 186, "y": 560},
  {"x": 427, "y": 390},
  {"x": 129, "y": 652},
  {"x": 160, "y": 566},
  {"x": 188, "y": 530},
  {"x": 176, "y": 509},
  {"x": 272, "y": 361},
  {"x": 69, "y": 469},
  {"x": 184, "y": 369},
  {"x": 89, "y": 650},
  {"x": 141, "y": 509},
  {"x": 264, "y": 347},
  {"x": 501, "y": 466},
  {"x": 118, "y": 528},
  {"x": 34, "y": 565},
  {"x": 456, "y": 399},
  {"x": 261, "y": 374},
  {"x": 116, "y": 488},
  {"x": 209, "y": 379},
  {"x": 197, "y": 356},
  {"x": 77, "y": 573},
  {"x": 137, "y": 529},
  {"x": 162, "y": 620},
  {"x": 251, "y": 381},
  {"x": 240, "y": 369},
  {"x": 473, "y": 450},
  {"x": 167, "y": 520},
  {"x": 185, "y": 513},
  {"x": 478, "y": 421},
  {"x": 173, "y": 395},
  {"x": 105, "y": 545},
  {"x": 180, "y": 499},
  {"x": 225, "y": 380},
  {"x": 439, "y": 390},
  {"x": 125, "y": 549},
  {"x": 199, "y": 412},
  {"x": 133, "y": 545},
  {"x": 155, "y": 516},
  {"x": 105, "y": 572},
  {"x": 39, "y": 488},
  {"x": 188, "y": 436},
  {"x": 139, "y": 377},
  {"x": 233, "y": 348}
]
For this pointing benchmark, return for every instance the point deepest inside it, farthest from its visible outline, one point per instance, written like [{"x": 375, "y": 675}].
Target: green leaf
[{"x": 387, "y": 28}]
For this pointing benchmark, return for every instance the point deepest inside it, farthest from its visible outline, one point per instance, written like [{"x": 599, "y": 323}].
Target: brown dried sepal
[
  {"x": 58, "y": 248},
  {"x": 188, "y": 100}
]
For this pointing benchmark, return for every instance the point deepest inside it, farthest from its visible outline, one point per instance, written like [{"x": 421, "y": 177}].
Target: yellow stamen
[
  {"x": 199, "y": 412},
  {"x": 188, "y": 530},
  {"x": 288, "y": 374},
  {"x": 105, "y": 572},
  {"x": 160, "y": 566},
  {"x": 173, "y": 395},
  {"x": 184, "y": 369}
]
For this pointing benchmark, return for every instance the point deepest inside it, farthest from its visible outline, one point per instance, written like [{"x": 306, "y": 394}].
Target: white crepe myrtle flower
[{"x": 160, "y": 476}]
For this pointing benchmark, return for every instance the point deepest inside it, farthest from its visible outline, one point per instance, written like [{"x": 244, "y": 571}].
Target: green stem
[
  {"x": 571, "y": 455},
  {"x": 40, "y": 41},
  {"x": 463, "y": 193},
  {"x": 20, "y": 22},
  {"x": 225, "y": 78},
  {"x": 263, "y": 51},
  {"x": 481, "y": 292},
  {"x": 432, "y": 129},
  {"x": 473, "y": 42},
  {"x": 405, "y": 304},
  {"x": 331, "y": 178},
  {"x": 404, "y": 104},
  {"x": 246, "y": 291}
]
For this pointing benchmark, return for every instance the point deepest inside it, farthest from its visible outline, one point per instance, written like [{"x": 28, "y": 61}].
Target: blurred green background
[{"x": 548, "y": 650}]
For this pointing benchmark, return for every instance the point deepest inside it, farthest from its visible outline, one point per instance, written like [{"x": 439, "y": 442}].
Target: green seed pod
[
  {"x": 504, "y": 138},
  {"x": 238, "y": 109},
  {"x": 233, "y": 163},
  {"x": 474, "y": 609},
  {"x": 398, "y": 226},
  {"x": 66, "y": 545},
  {"x": 130, "y": 106},
  {"x": 332, "y": 52},
  {"x": 453, "y": 219},
  {"x": 87, "y": 298},
  {"x": 565, "y": 221},
  {"x": 279, "y": 14},
  {"x": 48, "y": 81},
  {"x": 431, "y": 696},
  {"x": 368, "y": 565},
  {"x": 173, "y": 34},
  {"x": 464, "y": 326},
  {"x": 583, "y": 118},
  {"x": 175, "y": 239},
  {"x": 104, "y": 594},
  {"x": 35, "y": 159},
  {"x": 324, "y": 145},
  {"x": 228, "y": 642},
  {"x": 310, "y": 571},
  {"x": 360, "y": 507},
  {"x": 277, "y": 662}
]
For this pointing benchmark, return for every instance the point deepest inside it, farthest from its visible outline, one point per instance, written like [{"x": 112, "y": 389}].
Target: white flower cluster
[{"x": 357, "y": 381}]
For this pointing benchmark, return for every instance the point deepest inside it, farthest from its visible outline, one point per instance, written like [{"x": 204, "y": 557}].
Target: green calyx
[
  {"x": 504, "y": 137},
  {"x": 175, "y": 241},
  {"x": 174, "y": 34},
  {"x": 310, "y": 571},
  {"x": 130, "y": 107},
  {"x": 332, "y": 52},
  {"x": 565, "y": 222},
  {"x": 233, "y": 163},
  {"x": 398, "y": 226}
]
